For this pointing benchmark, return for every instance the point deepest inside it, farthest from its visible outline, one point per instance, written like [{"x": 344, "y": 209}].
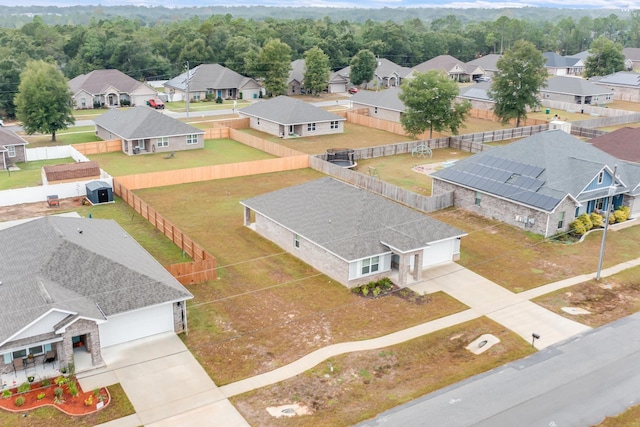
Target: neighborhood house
[
  {"x": 13, "y": 149},
  {"x": 111, "y": 88},
  {"x": 351, "y": 234},
  {"x": 87, "y": 286}
]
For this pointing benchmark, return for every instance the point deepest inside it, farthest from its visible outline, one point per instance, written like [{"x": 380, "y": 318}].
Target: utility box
[
  {"x": 563, "y": 126},
  {"x": 99, "y": 192}
]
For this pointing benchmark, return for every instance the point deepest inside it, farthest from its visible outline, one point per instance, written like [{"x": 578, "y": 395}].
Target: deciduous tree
[
  {"x": 43, "y": 101},
  {"x": 430, "y": 103},
  {"x": 316, "y": 74},
  {"x": 363, "y": 66},
  {"x": 274, "y": 63},
  {"x": 515, "y": 88},
  {"x": 605, "y": 57}
]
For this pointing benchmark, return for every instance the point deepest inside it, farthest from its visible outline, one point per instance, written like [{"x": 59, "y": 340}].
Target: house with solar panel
[
  {"x": 541, "y": 183},
  {"x": 351, "y": 234}
]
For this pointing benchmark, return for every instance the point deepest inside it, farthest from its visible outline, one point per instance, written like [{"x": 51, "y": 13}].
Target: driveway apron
[
  {"x": 500, "y": 305},
  {"x": 165, "y": 383}
]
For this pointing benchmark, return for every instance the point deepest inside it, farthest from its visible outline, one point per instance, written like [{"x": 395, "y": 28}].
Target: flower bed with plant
[
  {"x": 585, "y": 222},
  {"x": 64, "y": 393}
]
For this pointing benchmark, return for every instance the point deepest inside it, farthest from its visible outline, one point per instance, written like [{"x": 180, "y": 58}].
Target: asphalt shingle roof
[
  {"x": 8, "y": 137},
  {"x": 487, "y": 62},
  {"x": 387, "y": 98},
  {"x": 142, "y": 122},
  {"x": 565, "y": 164},
  {"x": 621, "y": 78},
  {"x": 289, "y": 111},
  {"x": 385, "y": 68},
  {"x": 623, "y": 143},
  {"x": 573, "y": 86},
  {"x": 350, "y": 222},
  {"x": 97, "y": 81},
  {"x": 47, "y": 264},
  {"x": 208, "y": 76},
  {"x": 479, "y": 91},
  {"x": 440, "y": 62}
]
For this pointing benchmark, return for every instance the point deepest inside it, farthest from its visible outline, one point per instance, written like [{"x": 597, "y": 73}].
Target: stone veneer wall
[
  {"x": 178, "y": 320},
  {"x": 81, "y": 327}
]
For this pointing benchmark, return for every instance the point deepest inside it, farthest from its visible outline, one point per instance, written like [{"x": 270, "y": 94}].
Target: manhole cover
[
  {"x": 288, "y": 411},
  {"x": 482, "y": 343}
]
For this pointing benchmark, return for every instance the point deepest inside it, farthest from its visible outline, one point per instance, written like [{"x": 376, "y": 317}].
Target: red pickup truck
[{"x": 156, "y": 103}]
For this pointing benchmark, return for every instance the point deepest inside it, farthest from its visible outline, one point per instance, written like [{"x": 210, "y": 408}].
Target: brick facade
[{"x": 92, "y": 342}]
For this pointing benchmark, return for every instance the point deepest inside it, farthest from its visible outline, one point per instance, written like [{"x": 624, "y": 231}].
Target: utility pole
[
  {"x": 612, "y": 191},
  {"x": 188, "y": 78}
]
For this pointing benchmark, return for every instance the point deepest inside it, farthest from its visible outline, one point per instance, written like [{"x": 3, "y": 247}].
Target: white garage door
[
  {"x": 438, "y": 253},
  {"x": 136, "y": 324}
]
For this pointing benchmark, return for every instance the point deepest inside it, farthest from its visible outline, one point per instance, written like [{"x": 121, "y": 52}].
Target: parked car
[
  {"x": 482, "y": 79},
  {"x": 156, "y": 103},
  {"x": 353, "y": 90}
]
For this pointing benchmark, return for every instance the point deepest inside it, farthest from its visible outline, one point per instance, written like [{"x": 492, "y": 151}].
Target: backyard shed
[{"x": 99, "y": 192}]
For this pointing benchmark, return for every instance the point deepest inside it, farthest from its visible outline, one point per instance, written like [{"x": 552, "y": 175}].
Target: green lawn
[
  {"x": 74, "y": 135},
  {"x": 216, "y": 152},
  {"x": 29, "y": 174},
  {"x": 181, "y": 106}
]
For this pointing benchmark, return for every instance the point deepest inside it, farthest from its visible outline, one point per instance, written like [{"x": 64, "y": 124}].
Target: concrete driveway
[
  {"x": 511, "y": 310},
  {"x": 165, "y": 383}
]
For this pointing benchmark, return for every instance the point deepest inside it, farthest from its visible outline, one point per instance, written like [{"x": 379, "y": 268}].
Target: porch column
[
  {"x": 247, "y": 216},
  {"x": 417, "y": 266},
  {"x": 93, "y": 347},
  {"x": 403, "y": 270}
]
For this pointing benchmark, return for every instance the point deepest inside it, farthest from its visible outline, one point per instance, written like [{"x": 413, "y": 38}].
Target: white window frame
[
  {"x": 370, "y": 265},
  {"x": 192, "y": 139},
  {"x": 163, "y": 141},
  {"x": 600, "y": 177},
  {"x": 561, "y": 220},
  {"x": 478, "y": 199},
  {"x": 334, "y": 124},
  {"x": 311, "y": 127},
  {"x": 11, "y": 150},
  {"x": 296, "y": 241}
]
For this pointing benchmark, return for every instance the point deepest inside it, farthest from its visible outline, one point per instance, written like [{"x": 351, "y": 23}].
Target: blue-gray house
[{"x": 541, "y": 183}]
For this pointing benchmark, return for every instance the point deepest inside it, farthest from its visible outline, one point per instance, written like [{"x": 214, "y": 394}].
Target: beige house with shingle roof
[
  {"x": 110, "y": 88},
  {"x": 454, "y": 68}
]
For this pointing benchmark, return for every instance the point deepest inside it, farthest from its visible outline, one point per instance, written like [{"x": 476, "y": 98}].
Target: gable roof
[
  {"x": 623, "y": 143},
  {"x": 538, "y": 171},
  {"x": 384, "y": 68},
  {"x": 441, "y": 62},
  {"x": 142, "y": 122},
  {"x": 208, "y": 76},
  {"x": 350, "y": 222},
  {"x": 8, "y": 138},
  {"x": 97, "y": 81},
  {"x": 573, "y": 86},
  {"x": 555, "y": 60},
  {"x": 387, "y": 99},
  {"x": 288, "y": 111},
  {"x": 632, "y": 53},
  {"x": 99, "y": 272},
  {"x": 487, "y": 62},
  {"x": 478, "y": 91},
  {"x": 297, "y": 70}
]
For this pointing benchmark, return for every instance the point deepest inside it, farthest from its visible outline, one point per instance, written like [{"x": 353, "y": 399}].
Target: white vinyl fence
[{"x": 63, "y": 191}]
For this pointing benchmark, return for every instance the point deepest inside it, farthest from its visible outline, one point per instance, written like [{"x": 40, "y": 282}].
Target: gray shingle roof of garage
[
  {"x": 142, "y": 122},
  {"x": 350, "y": 222},
  {"x": 573, "y": 86},
  {"x": 289, "y": 111},
  {"x": 387, "y": 98},
  {"x": 566, "y": 166},
  {"x": 47, "y": 265}
]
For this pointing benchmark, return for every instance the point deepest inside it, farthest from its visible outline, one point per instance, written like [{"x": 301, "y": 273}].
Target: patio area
[{"x": 39, "y": 369}]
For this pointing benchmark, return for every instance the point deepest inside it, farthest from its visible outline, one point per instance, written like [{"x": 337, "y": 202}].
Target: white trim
[{"x": 33, "y": 322}]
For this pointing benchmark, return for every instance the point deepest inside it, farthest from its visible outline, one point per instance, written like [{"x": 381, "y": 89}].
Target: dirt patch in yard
[
  {"x": 608, "y": 300},
  {"x": 32, "y": 210}
]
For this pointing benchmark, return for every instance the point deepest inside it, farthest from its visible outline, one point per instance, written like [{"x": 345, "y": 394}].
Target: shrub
[
  {"x": 622, "y": 213},
  {"x": 88, "y": 401},
  {"x": 40, "y": 396},
  {"x": 45, "y": 383},
  {"x": 73, "y": 388},
  {"x": 596, "y": 220},
  {"x": 586, "y": 220},
  {"x": 19, "y": 401},
  {"x": 58, "y": 391},
  {"x": 24, "y": 387},
  {"x": 218, "y": 100},
  {"x": 578, "y": 227},
  {"x": 60, "y": 381},
  {"x": 6, "y": 394},
  {"x": 125, "y": 103},
  {"x": 612, "y": 219}
]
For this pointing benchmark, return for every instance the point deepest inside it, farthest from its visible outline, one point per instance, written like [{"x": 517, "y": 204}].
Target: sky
[{"x": 576, "y": 4}]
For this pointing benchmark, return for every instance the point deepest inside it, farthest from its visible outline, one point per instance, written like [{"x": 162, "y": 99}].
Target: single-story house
[
  {"x": 13, "y": 149},
  {"x": 624, "y": 85},
  {"x": 337, "y": 83},
  {"x": 631, "y": 58},
  {"x": 622, "y": 143},
  {"x": 287, "y": 117},
  {"x": 575, "y": 90},
  {"x": 70, "y": 172},
  {"x": 559, "y": 65},
  {"x": 350, "y": 234},
  {"x": 454, "y": 68},
  {"x": 478, "y": 95},
  {"x": 71, "y": 285},
  {"x": 487, "y": 63},
  {"x": 112, "y": 88},
  {"x": 386, "y": 74},
  {"x": 144, "y": 130},
  {"x": 383, "y": 104},
  {"x": 295, "y": 82},
  {"x": 213, "y": 81},
  {"x": 541, "y": 182}
]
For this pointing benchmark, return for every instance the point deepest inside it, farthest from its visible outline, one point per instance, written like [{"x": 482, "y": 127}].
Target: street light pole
[
  {"x": 188, "y": 77},
  {"x": 612, "y": 191}
]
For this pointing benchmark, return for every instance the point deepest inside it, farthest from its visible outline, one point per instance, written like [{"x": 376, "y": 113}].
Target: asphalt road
[{"x": 575, "y": 383}]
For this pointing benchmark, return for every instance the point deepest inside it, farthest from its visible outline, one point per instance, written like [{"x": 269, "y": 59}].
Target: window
[
  {"x": 311, "y": 127},
  {"x": 192, "y": 139},
  {"x": 334, "y": 125},
  {"x": 83, "y": 102},
  {"x": 561, "y": 220},
  {"x": 296, "y": 241},
  {"x": 599, "y": 205},
  {"x": 478, "y": 198},
  {"x": 370, "y": 265},
  {"x": 375, "y": 110},
  {"x": 600, "y": 177},
  {"x": 258, "y": 121},
  {"x": 36, "y": 350},
  {"x": 11, "y": 150},
  {"x": 209, "y": 91},
  {"x": 196, "y": 96},
  {"x": 163, "y": 141},
  {"x": 19, "y": 354}
]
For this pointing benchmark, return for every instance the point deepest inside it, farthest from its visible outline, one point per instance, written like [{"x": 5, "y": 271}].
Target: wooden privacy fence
[
  {"x": 99, "y": 147},
  {"x": 375, "y": 123},
  {"x": 263, "y": 145},
  {"x": 203, "y": 266},
  {"x": 232, "y": 123},
  {"x": 208, "y": 173},
  {"x": 599, "y": 122},
  {"x": 217, "y": 133},
  {"x": 406, "y": 197}
]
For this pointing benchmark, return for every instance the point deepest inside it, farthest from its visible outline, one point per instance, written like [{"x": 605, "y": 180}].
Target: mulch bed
[{"x": 82, "y": 404}]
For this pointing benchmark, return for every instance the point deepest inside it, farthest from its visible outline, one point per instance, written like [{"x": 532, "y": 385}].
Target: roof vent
[{"x": 79, "y": 231}]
